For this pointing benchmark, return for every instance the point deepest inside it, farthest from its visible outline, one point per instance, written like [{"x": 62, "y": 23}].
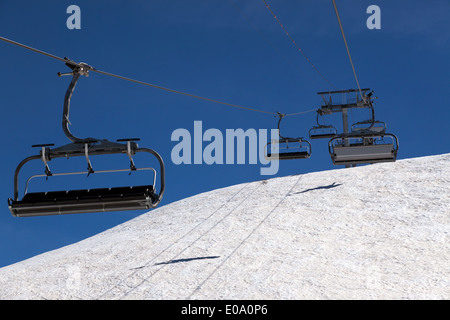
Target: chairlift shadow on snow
[
  {"x": 186, "y": 260},
  {"x": 176, "y": 261},
  {"x": 331, "y": 186}
]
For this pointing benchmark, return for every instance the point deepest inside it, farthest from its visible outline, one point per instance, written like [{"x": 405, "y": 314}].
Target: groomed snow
[{"x": 372, "y": 232}]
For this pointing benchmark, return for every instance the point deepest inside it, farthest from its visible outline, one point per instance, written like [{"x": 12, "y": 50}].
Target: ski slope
[{"x": 372, "y": 232}]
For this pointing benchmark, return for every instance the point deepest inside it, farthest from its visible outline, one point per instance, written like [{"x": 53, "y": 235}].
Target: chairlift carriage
[
  {"x": 353, "y": 149},
  {"x": 88, "y": 200},
  {"x": 322, "y": 131},
  {"x": 367, "y": 141},
  {"x": 287, "y": 148}
]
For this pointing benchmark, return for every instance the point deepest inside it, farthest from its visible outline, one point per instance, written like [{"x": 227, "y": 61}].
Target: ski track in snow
[{"x": 371, "y": 232}]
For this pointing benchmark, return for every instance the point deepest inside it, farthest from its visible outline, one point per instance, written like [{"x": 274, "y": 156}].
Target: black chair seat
[
  {"x": 86, "y": 194},
  {"x": 86, "y": 200},
  {"x": 290, "y": 155},
  {"x": 322, "y": 135}
]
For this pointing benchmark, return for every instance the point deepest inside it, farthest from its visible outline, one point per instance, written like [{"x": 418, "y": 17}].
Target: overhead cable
[
  {"x": 90, "y": 68},
  {"x": 295, "y": 44},
  {"x": 346, "y": 45}
]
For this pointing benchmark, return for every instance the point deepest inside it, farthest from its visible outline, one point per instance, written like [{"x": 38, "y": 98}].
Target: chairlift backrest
[{"x": 369, "y": 127}]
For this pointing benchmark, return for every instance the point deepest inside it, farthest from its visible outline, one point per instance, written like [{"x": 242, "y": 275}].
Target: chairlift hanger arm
[{"x": 78, "y": 69}]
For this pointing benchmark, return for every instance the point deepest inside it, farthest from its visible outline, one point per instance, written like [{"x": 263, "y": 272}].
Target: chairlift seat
[
  {"x": 365, "y": 149},
  {"x": 363, "y": 154},
  {"x": 91, "y": 200},
  {"x": 288, "y": 155},
  {"x": 87, "y": 200},
  {"x": 292, "y": 148},
  {"x": 322, "y": 135}
]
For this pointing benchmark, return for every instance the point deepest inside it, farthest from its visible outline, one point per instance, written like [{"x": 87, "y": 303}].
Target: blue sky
[{"x": 232, "y": 51}]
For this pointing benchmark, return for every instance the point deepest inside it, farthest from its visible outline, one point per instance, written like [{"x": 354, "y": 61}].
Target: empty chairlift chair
[
  {"x": 86, "y": 200},
  {"x": 354, "y": 149},
  {"x": 322, "y": 131},
  {"x": 367, "y": 142},
  {"x": 287, "y": 148}
]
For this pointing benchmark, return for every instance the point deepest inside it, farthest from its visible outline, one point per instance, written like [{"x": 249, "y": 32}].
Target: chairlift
[
  {"x": 88, "y": 200},
  {"x": 353, "y": 149},
  {"x": 322, "y": 131},
  {"x": 287, "y": 148}
]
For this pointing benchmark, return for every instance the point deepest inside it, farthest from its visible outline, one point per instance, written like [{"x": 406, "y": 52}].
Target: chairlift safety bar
[{"x": 87, "y": 172}]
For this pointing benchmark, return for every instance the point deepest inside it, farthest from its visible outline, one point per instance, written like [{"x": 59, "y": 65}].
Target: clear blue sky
[{"x": 233, "y": 51}]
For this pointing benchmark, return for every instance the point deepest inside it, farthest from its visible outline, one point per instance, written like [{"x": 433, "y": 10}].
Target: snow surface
[{"x": 371, "y": 232}]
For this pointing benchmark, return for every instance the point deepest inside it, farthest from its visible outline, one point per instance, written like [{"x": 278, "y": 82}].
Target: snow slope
[{"x": 373, "y": 232}]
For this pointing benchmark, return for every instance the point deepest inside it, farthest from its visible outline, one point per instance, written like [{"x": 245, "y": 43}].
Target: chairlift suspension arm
[
  {"x": 77, "y": 71},
  {"x": 66, "y": 110}
]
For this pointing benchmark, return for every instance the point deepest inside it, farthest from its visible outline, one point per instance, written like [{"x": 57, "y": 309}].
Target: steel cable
[{"x": 90, "y": 68}]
